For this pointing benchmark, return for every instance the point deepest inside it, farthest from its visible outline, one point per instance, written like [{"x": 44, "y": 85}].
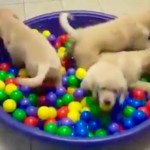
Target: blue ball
[
  {"x": 134, "y": 103},
  {"x": 86, "y": 116},
  {"x": 24, "y": 103},
  {"x": 82, "y": 132},
  {"x": 113, "y": 128},
  {"x": 14, "y": 71},
  {"x": 25, "y": 89},
  {"x": 81, "y": 124},
  {"x": 51, "y": 99},
  {"x": 79, "y": 93},
  {"x": 65, "y": 80},
  {"x": 94, "y": 125},
  {"x": 60, "y": 91},
  {"x": 128, "y": 123},
  {"x": 139, "y": 116},
  {"x": 71, "y": 71}
]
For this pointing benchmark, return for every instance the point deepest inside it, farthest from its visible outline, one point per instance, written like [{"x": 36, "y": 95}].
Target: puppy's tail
[
  {"x": 141, "y": 84},
  {"x": 63, "y": 20},
  {"x": 37, "y": 80}
]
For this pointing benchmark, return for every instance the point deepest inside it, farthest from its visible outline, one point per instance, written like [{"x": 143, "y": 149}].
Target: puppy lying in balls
[
  {"x": 126, "y": 32},
  {"x": 29, "y": 48},
  {"x": 114, "y": 73}
]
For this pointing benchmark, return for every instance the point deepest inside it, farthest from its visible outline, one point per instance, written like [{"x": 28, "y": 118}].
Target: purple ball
[
  {"x": 64, "y": 81},
  {"x": 52, "y": 38},
  {"x": 60, "y": 91},
  {"x": 79, "y": 93},
  {"x": 31, "y": 111},
  {"x": 51, "y": 98},
  {"x": 25, "y": 89},
  {"x": 71, "y": 71},
  {"x": 113, "y": 128},
  {"x": 66, "y": 121},
  {"x": 24, "y": 103}
]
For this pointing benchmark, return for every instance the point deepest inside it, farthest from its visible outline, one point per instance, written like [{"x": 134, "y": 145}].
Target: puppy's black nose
[{"x": 107, "y": 102}]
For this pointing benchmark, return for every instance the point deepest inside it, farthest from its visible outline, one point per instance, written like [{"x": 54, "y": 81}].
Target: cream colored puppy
[
  {"x": 115, "y": 72},
  {"x": 29, "y": 48},
  {"x": 130, "y": 31}
]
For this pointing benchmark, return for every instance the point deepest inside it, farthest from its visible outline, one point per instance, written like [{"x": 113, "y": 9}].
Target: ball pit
[{"x": 67, "y": 114}]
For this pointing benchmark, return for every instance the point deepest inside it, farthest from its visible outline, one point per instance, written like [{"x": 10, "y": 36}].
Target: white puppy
[
  {"x": 115, "y": 72},
  {"x": 29, "y": 48},
  {"x": 130, "y": 31}
]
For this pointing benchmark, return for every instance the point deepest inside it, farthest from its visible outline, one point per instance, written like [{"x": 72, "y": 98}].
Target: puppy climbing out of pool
[
  {"x": 130, "y": 31},
  {"x": 29, "y": 48},
  {"x": 114, "y": 73}
]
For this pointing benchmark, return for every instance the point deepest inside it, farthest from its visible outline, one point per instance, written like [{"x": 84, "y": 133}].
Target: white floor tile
[
  {"x": 10, "y": 1},
  {"x": 38, "y": 8}
]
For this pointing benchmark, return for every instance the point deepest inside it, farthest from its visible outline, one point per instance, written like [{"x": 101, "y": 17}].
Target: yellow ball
[
  {"x": 2, "y": 85},
  {"x": 85, "y": 109},
  {"x": 52, "y": 112},
  {"x": 76, "y": 106},
  {"x": 10, "y": 88},
  {"x": 63, "y": 70},
  {"x": 80, "y": 73},
  {"x": 74, "y": 115},
  {"x": 46, "y": 33},
  {"x": 70, "y": 90},
  {"x": 61, "y": 55},
  {"x": 83, "y": 102},
  {"x": 9, "y": 105},
  {"x": 35, "y": 30},
  {"x": 62, "y": 50},
  {"x": 43, "y": 112},
  {"x": 106, "y": 108},
  {"x": 23, "y": 73}
]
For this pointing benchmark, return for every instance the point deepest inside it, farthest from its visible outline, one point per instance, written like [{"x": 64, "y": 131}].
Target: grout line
[{"x": 61, "y": 3}]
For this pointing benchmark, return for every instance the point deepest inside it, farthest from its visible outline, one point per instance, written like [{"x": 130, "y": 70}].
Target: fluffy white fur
[{"x": 29, "y": 48}]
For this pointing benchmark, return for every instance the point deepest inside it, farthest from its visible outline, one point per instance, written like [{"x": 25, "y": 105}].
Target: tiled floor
[{"x": 29, "y": 8}]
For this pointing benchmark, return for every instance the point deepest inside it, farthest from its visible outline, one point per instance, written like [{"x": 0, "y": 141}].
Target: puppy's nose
[{"x": 107, "y": 102}]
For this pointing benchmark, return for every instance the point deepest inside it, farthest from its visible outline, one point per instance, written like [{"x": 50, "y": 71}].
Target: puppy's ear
[{"x": 84, "y": 84}]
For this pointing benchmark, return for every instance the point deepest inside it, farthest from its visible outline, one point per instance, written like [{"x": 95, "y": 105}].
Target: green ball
[
  {"x": 90, "y": 135},
  {"x": 73, "y": 81},
  {"x": 3, "y": 75},
  {"x": 10, "y": 76},
  {"x": 67, "y": 98},
  {"x": 90, "y": 101},
  {"x": 3, "y": 96},
  {"x": 100, "y": 133},
  {"x": 128, "y": 111},
  {"x": 19, "y": 115},
  {"x": 33, "y": 98},
  {"x": 59, "y": 103},
  {"x": 64, "y": 131},
  {"x": 95, "y": 110},
  {"x": 16, "y": 95},
  {"x": 50, "y": 128},
  {"x": 68, "y": 44}
]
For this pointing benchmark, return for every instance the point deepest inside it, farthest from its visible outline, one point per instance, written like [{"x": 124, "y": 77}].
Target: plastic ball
[
  {"x": 9, "y": 105},
  {"x": 113, "y": 128},
  {"x": 64, "y": 80},
  {"x": 63, "y": 70},
  {"x": 83, "y": 102},
  {"x": 67, "y": 98},
  {"x": 135, "y": 103},
  {"x": 82, "y": 132},
  {"x": 2, "y": 85},
  {"x": 139, "y": 116},
  {"x": 138, "y": 94},
  {"x": 128, "y": 111},
  {"x": 61, "y": 50},
  {"x": 23, "y": 73},
  {"x": 81, "y": 124},
  {"x": 74, "y": 115},
  {"x": 59, "y": 103},
  {"x": 76, "y": 106},
  {"x": 63, "y": 39},
  {"x": 31, "y": 111},
  {"x": 50, "y": 120},
  {"x": 35, "y": 30},
  {"x": 33, "y": 99},
  {"x": 60, "y": 91},
  {"x": 4, "y": 66},
  {"x": 3, "y": 95},
  {"x": 24, "y": 89},
  {"x": 62, "y": 112},
  {"x": 24, "y": 103},
  {"x": 90, "y": 135},
  {"x": 16, "y": 95},
  {"x": 11, "y": 80},
  {"x": 64, "y": 131},
  {"x": 101, "y": 133},
  {"x": 80, "y": 73},
  {"x": 19, "y": 115},
  {"x": 52, "y": 38},
  {"x": 10, "y": 88},
  {"x": 145, "y": 110},
  {"x": 61, "y": 55},
  {"x": 148, "y": 104},
  {"x": 79, "y": 93},
  {"x": 85, "y": 109},
  {"x": 31, "y": 121},
  {"x": 73, "y": 81},
  {"x": 50, "y": 128},
  {"x": 94, "y": 125},
  {"x": 71, "y": 71},
  {"x": 13, "y": 70},
  {"x": 128, "y": 123},
  {"x": 42, "y": 100},
  {"x": 51, "y": 99},
  {"x": 86, "y": 116},
  {"x": 46, "y": 33},
  {"x": 71, "y": 90},
  {"x": 57, "y": 44},
  {"x": 52, "y": 112},
  {"x": 43, "y": 112},
  {"x": 3, "y": 75},
  {"x": 66, "y": 122}
]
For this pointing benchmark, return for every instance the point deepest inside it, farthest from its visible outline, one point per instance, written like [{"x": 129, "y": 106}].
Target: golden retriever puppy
[
  {"x": 29, "y": 48},
  {"x": 116, "y": 72},
  {"x": 130, "y": 31}
]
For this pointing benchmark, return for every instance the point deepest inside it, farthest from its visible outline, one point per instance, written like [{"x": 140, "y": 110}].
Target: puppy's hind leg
[{"x": 38, "y": 79}]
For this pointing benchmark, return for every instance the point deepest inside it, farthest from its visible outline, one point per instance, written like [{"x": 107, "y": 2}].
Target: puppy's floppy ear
[{"x": 85, "y": 85}]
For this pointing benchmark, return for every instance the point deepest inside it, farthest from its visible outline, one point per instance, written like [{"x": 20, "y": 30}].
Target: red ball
[
  {"x": 4, "y": 66},
  {"x": 138, "y": 94},
  {"x": 62, "y": 112},
  {"x": 50, "y": 120},
  {"x": 31, "y": 121},
  {"x": 57, "y": 44},
  {"x": 63, "y": 39},
  {"x": 11, "y": 80},
  {"x": 145, "y": 110},
  {"x": 148, "y": 104},
  {"x": 42, "y": 101},
  {"x": 66, "y": 62}
]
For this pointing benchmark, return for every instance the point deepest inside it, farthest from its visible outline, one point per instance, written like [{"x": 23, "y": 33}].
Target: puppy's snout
[{"x": 107, "y": 102}]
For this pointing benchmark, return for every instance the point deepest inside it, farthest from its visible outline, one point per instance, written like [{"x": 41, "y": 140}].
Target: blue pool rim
[{"x": 36, "y": 133}]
